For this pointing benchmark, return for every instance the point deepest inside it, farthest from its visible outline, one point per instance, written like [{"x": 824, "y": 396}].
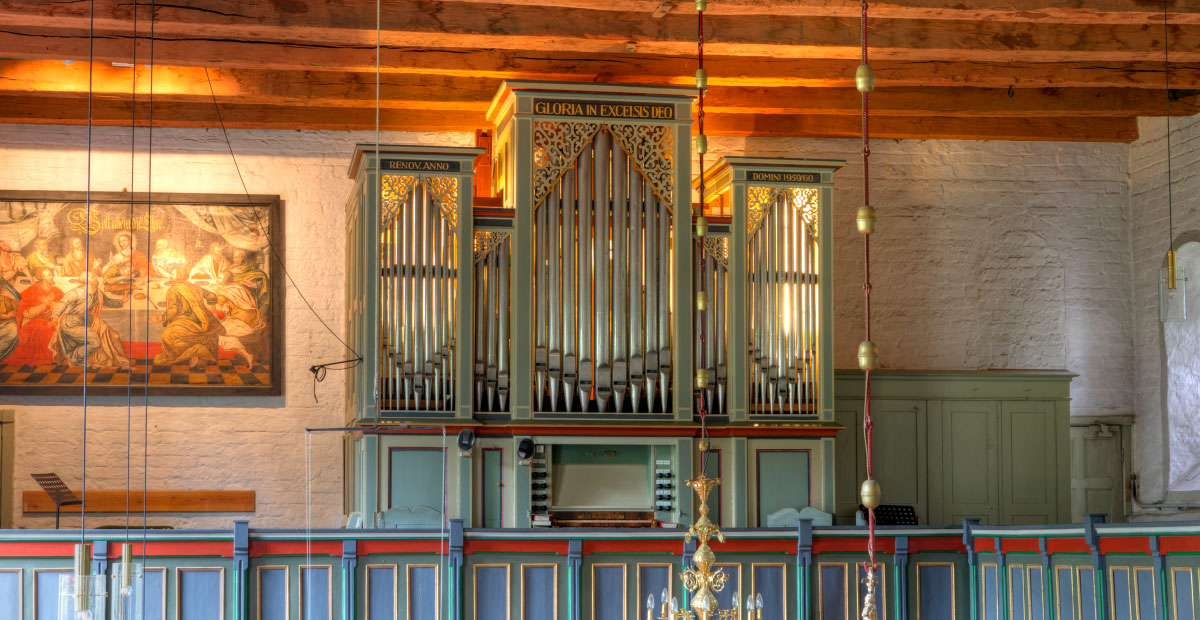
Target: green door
[
  {"x": 493, "y": 488},
  {"x": 1028, "y": 463}
]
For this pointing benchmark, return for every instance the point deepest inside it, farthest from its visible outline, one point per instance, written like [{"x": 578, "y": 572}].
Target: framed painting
[{"x": 177, "y": 294}]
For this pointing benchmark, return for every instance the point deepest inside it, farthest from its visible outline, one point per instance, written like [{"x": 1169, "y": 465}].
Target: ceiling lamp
[{"x": 1172, "y": 286}]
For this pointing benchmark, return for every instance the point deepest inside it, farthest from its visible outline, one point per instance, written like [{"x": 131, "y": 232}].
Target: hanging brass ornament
[
  {"x": 701, "y": 5},
  {"x": 864, "y": 78},
  {"x": 701, "y": 79},
  {"x": 869, "y": 612},
  {"x": 868, "y": 355},
  {"x": 701, "y": 226},
  {"x": 865, "y": 219},
  {"x": 701, "y": 300},
  {"x": 869, "y": 494},
  {"x": 701, "y": 144},
  {"x": 701, "y": 378}
]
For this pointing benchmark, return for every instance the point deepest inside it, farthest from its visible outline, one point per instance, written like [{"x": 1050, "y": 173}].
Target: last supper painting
[{"x": 126, "y": 293}]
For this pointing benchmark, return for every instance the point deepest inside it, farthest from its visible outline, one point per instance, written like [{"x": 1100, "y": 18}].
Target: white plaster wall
[
  {"x": 209, "y": 442},
  {"x": 1148, "y": 206},
  {"x": 988, "y": 255}
]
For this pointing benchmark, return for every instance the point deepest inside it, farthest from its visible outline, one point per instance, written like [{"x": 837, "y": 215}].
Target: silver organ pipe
[
  {"x": 491, "y": 321},
  {"x": 601, "y": 272},
  {"x": 417, "y": 297},
  {"x": 783, "y": 300}
]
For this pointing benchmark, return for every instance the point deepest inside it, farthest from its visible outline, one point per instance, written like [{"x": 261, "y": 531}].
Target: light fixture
[
  {"x": 1172, "y": 285},
  {"x": 128, "y": 580},
  {"x": 702, "y": 579},
  {"x": 80, "y": 593}
]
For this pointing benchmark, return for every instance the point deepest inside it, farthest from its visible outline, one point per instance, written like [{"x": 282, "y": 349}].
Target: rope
[
  {"x": 87, "y": 272},
  {"x": 868, "y": 424},
  {"x": 701, "y": 408},
  {"x": 1167, "y": 79}
]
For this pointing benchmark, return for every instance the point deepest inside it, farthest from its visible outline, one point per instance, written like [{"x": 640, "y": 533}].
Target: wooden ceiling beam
[
  {"x": 441, "y": 92},
  {"x": 106, "y": 112},
  {"x": 467, "y": 25}
]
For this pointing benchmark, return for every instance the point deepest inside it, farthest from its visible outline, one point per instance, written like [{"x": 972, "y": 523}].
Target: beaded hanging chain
[{"x": 868, "y": 354}]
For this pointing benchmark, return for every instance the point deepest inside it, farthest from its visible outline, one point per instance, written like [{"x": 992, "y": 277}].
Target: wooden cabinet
[{"x": 990, "y": 445}]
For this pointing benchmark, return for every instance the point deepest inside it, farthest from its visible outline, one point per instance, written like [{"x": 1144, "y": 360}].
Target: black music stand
[{"x": 58, "y": 491}]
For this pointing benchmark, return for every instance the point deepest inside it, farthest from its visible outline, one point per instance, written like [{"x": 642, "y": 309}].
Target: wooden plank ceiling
[{"x": 1000, "y": 69}]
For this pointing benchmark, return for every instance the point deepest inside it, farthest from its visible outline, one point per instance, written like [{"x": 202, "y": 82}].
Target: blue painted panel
[
  {"x": 538, "y": 594},
  {"x": 609, "y": 592},
  {"x": 10, "y": 595},
  {"x": 725, "y": 597},
  {"x": 1185, "y": 607},
  {"x": 47, "y": 595},
  {"x": 652, "y": 580},
  {"x": 1121, "y": 594},
  {"x": 272, "y": 593},
  {"x": 200, "y": 595},
  {"x": 1064, "y": 592},
  {"x": 381, "y": 581},
  {"x": 1144, "y": 580},
  {"x": 1016, "y": 591},
  {"x": 833, "y": 592},
  {"x": 1087, "y": 594},
  {"x": 155, "y": 593},
  {"x": 314, "y": 597},
  {"x": 422, "y": 593},
  {"x": 991, "y": 592},
  {"x": 1037, "y": 599},
  {"x": 856, "y": 598},
  {"x": 769, "y": 582},
  {"x": 491, "y": 587},
  {"x": 935, "y": 598}
]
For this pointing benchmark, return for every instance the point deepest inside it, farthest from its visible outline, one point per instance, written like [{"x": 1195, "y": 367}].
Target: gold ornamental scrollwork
[
  {"x": 759, "y": 202},
  {"x": 396, "y": 190},
  {"x": 718, "y": 249},
  {"x": 486, "y": 241},
  {"x": 652, "y": 149},
  {"x": 556, "y": 144},
  {"x": 807, "y": 201}
]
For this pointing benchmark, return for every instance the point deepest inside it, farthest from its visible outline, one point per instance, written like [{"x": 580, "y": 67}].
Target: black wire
[
  {"x": 1167, "y": 79},
  {"x": 262, "y": 229}
]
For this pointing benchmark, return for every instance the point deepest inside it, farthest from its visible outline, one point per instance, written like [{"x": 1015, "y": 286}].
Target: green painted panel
[
  {"x": 783, "y": 481},
  {"x": 415, "y": 477},
  {"x": 901, "y": 455},
  {"x": 493, "y": 491},
  {"x": 847, "y": 461},
  {"x": 1030, "y": 441},
  {"x": 970, "y": 466},
  {"x": 601, "y": 455}
]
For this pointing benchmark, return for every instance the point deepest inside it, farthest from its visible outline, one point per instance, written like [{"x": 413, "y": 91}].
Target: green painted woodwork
[
  {"x": 7, "y": 435},
  {"x": 493, "y": 489},
  {"x": 782, "y": 481},
  {"x": 1099, "y": 455},
  {"x": 991, "y": 445},
  {"x": 415, "y": 478}
]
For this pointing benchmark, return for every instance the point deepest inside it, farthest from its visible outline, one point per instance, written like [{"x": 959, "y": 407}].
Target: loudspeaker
[
  {"x": 466, "y": 441},
  {"x": 525, "y": 450}
]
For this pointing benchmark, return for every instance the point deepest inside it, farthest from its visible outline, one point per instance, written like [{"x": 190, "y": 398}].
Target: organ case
[
  {"x": 598, "y": 179},
  {"x": 768, "y": 271},
  {"x": 410, "y": 239}
]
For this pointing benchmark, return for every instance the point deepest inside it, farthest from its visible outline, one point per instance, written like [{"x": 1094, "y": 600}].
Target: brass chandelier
[{"x": 702, "y": 580}]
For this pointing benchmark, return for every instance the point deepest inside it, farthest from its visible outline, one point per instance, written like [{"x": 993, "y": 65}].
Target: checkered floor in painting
[{"x": 224, "y": 372}]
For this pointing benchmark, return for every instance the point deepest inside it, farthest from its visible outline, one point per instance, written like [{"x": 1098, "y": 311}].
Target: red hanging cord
[
  {"x": 868, "y": 425},
  {"x": 701, "y": 87}
]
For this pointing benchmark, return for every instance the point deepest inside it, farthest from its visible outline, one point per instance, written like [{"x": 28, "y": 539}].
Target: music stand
[{"x": 58, "y": 491}]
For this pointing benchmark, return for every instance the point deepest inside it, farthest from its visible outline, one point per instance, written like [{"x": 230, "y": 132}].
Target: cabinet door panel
[
  {"x": 1028, "y": 462},
  {"x": 848, "y": 460},
  {"x": 970, "y": 463},
  {"x": 900, "y": 453}
]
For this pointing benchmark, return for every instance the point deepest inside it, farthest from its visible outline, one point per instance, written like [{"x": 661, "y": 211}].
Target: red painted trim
[
  {"x": 1125, "y": 544},
  {"x": 985, "y": 545},
  {"x": 936, "y": 543},
  {"x": 37, "y": 549},
  {"x": 492, "y": 211},
  {"x": 368, "y": 547},
  {"x": 1067, "y": 545},
  {"x": 516, "y": 546},
  {"x": 1179, "y": 544},
  {"x": 766, "y": 545},
  {"x": 633, "y": 546},
  {"x": 758, "y": 478},
  {"x": 1019, "y": 545},
  {"x": 295, "y": 547},
  {"x": 840, "y": 545}
]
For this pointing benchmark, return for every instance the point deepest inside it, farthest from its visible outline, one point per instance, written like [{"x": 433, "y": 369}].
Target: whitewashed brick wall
[
  {"x": 1148, "y": 204},
  {"x": 989, "y": 254}
]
